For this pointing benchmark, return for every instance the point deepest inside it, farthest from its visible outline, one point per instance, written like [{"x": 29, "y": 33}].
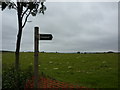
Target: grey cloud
[{"x": 75, "y": 27}]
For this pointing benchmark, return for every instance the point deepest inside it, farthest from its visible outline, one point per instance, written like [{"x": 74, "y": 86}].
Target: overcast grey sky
[{"x": 78, "y": 26}]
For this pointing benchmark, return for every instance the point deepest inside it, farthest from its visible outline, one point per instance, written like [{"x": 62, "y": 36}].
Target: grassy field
[{"x": 88, "y": 70}]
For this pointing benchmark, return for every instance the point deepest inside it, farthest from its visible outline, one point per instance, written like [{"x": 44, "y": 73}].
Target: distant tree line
[{"x": 78, "y": 52}]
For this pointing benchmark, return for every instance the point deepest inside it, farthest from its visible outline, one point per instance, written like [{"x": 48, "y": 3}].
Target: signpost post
[
  {"x": 36, "y": 50},
  {"x": 38, "y": 37}
]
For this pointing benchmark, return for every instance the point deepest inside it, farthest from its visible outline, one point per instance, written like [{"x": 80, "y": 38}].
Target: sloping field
[{"x": 87, "y": 70}]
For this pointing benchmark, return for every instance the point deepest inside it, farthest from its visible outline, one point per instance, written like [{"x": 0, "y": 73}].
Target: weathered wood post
[
  {"x": 38, "y": 37},
  {"x": 36, "y": 52}
]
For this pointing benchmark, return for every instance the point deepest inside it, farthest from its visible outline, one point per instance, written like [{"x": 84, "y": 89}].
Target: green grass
[{"x": 89, "y": 70}]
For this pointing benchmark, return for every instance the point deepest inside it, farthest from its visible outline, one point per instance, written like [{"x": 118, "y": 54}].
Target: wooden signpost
[{"x": 38, "y": 37}]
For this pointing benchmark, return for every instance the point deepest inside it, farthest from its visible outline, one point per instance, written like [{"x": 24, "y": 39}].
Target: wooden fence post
[{"x": 36, "y": 52}]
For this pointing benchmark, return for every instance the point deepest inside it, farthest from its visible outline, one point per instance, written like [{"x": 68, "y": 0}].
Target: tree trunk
[
  {"x": 19, "y": 11},
  {"x": 18, "y": 46}
]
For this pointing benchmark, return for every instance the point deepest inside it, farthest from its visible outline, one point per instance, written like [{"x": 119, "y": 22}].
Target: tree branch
[
  {"x": 26, "y": 19},
  {"x": 12, "y": 5},
  {"x": 15, "y": 8},
  {"x": 15, "y": 5},
  {"x": 24, "y": 13}
]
